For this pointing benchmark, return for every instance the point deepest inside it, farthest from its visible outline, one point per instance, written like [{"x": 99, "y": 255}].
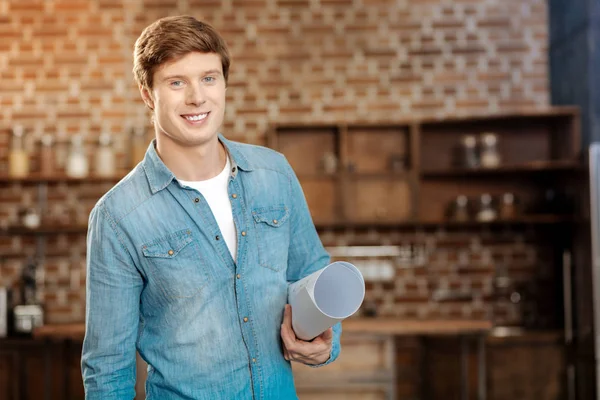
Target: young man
[{"x": 190, "y": 255}]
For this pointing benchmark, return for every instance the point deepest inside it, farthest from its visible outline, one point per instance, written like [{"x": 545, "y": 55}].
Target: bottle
[
  {"x": 18, "y": 164},
  {"x": 46, "y": 155},
  {"x": 490, "y": 157},
  {"x": 77, "y": 163},
  {"x": 105, "y": 157},
  {"x": 486, "y": 211},
  {"x": 470, "y": 157},
  {"x": 138, "y": 145}
]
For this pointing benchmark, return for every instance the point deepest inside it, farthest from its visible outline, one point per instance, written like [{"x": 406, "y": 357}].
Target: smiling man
[{"x": 190, "y": 256}]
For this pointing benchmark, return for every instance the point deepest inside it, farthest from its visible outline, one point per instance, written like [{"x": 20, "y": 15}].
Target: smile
[{"x": 195, "y": 117}]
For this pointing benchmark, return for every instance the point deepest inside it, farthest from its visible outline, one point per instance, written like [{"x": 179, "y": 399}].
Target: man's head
[
  {"x": 181, "y": 66},
  {"x": 170, "y": 38}
]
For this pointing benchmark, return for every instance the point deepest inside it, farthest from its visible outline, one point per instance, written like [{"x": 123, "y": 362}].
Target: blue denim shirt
[{"x": 160, "y": 278}]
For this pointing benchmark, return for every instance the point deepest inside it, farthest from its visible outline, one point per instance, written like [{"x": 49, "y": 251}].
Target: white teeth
[{"x": 196, "y": 117}]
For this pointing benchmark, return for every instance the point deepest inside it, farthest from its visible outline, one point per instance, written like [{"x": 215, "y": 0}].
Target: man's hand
[{"x": 314, "y": 352}]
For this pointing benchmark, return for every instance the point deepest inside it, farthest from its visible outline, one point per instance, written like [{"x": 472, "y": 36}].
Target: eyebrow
[{"x": 208, "y": 72}]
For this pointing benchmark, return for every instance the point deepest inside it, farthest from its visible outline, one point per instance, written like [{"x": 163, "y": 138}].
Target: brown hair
[{"x": 173, "y": 37}]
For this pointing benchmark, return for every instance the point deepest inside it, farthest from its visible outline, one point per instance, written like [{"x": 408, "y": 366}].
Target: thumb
[{"x": 327, "y": 336}]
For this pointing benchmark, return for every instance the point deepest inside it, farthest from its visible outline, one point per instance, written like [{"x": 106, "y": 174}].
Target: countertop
[{"x": 387, "y": 326}]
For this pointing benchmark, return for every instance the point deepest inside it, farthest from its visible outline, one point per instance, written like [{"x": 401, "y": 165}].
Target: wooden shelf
[
  {"x": 355, "y": 175},
  {"x": 44, "y": 230},
  {"x": 533, "y": 167},
  {"x": 36, "y": 178},
  {"x": 377, "y": 175},
  {"x": 447, "y": 224},
  {"x": 317, "y": 176}
]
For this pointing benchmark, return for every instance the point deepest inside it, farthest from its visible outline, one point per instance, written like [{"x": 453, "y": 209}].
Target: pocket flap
[
  {"x": 272, "y": 216},
  {"x": 169, "y": 245}
]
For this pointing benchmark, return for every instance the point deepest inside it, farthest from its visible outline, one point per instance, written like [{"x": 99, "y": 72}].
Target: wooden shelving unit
[{"x": 393, "y": 174}]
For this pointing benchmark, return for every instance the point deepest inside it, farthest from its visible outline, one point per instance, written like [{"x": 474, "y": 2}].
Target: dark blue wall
[{"x": 575, "y": 60}]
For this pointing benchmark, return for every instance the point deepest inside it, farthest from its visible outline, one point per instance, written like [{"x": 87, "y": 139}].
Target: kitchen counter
[
  {"x": 401, "y": 327},
  {"x": 385, "y": 326}
]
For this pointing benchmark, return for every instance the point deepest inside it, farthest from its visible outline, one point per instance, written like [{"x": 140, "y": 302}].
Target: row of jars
[{"x": 77, "y": 164}]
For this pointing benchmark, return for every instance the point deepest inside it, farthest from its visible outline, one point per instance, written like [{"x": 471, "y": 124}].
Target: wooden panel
[
  {"x": 9, "y": 388},
  {"x": 529, "y": 371},
  {"x": 368, "y": 357},
  {"x": 322, "y": 197},
  {"x": 373, "y": 150},
  {"x": 343, "y": 394},
  {"x": 305, "y": 148},
  {"x": 378, "y": 199}
]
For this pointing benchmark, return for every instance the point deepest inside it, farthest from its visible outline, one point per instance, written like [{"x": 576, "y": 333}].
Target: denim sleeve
[
  {"x": 306, "y": 253},
  {"x": 112, "y": 313}
]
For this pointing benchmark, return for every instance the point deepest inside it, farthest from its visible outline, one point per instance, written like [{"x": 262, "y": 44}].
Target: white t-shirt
[{"x": 215, "y": 192}]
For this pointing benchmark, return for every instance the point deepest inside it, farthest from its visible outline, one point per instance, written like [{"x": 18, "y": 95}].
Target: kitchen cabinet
[{"x": 40, "y": 369}]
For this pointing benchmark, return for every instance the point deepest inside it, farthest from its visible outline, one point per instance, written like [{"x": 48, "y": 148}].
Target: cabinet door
[
  {"x": 378, "y": 200},
  {"x": 9, "y": 384},
  {"x": 364, "y": 370}
]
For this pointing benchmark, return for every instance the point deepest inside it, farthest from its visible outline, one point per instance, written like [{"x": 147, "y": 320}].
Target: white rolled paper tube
[{"x": 325, "y": 298}]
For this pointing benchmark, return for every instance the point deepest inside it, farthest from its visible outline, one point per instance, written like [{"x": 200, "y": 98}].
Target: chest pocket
[
  {"x": 272, "y": 236},
  {"x": 175, "y": 265}
]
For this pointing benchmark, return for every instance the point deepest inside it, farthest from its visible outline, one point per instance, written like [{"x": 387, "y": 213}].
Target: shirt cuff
[{"x": 335, "y": 346}]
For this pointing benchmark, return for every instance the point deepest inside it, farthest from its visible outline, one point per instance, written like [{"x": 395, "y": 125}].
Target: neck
[{"x": 194, "y": 163}]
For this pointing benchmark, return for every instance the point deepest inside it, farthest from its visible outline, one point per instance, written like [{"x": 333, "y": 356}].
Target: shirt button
[
  {"x": 170, "y": 252},
  {"x": 196, "y": 200},
  {"x": 238, "y": 276},
  {"x": 243, "y": 233},
  {"x": 217, "y": 237},
  {"x": 254, "y": 360},
  {"x": 234, "y": 196},
  {"x": 233, "y": 169},
  {"x": 245, "y": 319},
  {"x": 275, "y": 221}
]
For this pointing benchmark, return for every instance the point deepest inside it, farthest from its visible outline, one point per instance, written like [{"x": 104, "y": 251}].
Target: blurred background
[{"x": 443, "y": 147}]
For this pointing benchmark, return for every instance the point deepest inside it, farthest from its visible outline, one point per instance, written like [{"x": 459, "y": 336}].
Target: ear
[{"x": 147, "y": 97}]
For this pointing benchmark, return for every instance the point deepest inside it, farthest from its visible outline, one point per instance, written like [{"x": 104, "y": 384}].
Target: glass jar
[
  {"x": 486, "y": 211},
  {"x": 105, "y": 157},
  {"x": 490, "y": 156},
  {"x": 46, "y": 155},
  {"x": 18, "y": 159},
  {"x": 460, "y": 210},
  {"x": 508, "y": 208},
  {"x": 77, "y": 162}
]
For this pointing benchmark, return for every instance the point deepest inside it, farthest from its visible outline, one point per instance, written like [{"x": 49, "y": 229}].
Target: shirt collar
[{"x": 159, "y": 176}]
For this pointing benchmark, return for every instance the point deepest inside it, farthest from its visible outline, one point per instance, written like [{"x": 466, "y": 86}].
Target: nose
[{"x": 195, "y": 95}]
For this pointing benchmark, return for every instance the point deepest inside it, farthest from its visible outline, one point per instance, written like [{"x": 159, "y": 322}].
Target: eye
[
  {"x": 176, "y": 83},
  {"x": 209, "y": 79}
]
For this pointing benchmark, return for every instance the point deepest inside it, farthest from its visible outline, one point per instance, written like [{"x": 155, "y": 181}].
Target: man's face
[{"x": 188, "y": 99}]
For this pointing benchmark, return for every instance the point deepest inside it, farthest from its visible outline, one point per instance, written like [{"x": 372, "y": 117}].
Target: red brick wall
[{"x": 65, "y": 67}]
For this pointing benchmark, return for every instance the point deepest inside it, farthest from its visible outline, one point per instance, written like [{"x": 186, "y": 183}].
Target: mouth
[{"x": 195, "y": 118}]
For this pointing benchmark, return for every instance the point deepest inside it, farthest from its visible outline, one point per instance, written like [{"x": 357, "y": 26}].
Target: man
[{"x": 190, "y": 255}]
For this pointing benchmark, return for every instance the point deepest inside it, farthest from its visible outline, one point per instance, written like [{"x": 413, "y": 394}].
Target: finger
[
  {"x": 288, "y": 336},
  {"x": 286, "y": 354},
  {"x": 324, "y": 338},
  {"x": 287, "y": 315}
]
